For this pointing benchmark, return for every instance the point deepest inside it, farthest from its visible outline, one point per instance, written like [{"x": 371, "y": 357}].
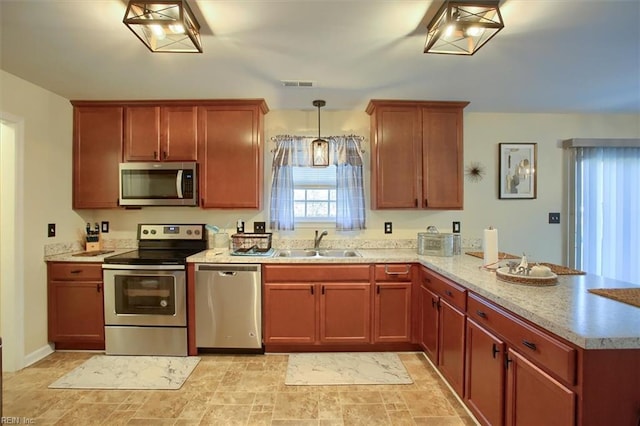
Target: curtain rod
[{"x": 275, "y": 138}]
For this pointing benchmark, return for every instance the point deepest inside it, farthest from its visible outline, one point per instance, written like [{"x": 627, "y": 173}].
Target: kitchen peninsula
[{"x": 579, "y": 351}]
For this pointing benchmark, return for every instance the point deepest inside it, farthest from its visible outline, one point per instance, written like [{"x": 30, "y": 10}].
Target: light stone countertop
[
  {"x": 69, "y": 257},
  {"x": 566, "y": 309}
]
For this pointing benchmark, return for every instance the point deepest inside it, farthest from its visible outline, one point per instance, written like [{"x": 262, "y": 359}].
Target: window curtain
[
  {"x": 289, "y": 152},
  {"x": 295, "y": 151},
  {"x": 607, "y": 199},
  {"x": 350, "y": 205}
]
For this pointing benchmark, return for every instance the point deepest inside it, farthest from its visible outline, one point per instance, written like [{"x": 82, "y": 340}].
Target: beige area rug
[
  {"x": 346, "y": 368},
  {"x": 129, "y": 372}
]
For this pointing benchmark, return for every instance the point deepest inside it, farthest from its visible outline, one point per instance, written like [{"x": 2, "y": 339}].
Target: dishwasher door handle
[{"x": 227, "y": 273}]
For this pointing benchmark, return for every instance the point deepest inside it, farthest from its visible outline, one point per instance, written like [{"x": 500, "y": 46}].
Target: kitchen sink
[{"x": 317, "y": 253}]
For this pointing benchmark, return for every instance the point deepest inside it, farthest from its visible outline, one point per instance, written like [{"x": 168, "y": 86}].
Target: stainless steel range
[{"x": 145, "y": 292}]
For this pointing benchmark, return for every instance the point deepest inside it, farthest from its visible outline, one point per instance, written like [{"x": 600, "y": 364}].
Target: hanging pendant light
[{"x": 319, "y": 147}]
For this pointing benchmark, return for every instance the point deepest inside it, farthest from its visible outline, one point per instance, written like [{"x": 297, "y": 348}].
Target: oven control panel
[{"x": 170, "y": 232}]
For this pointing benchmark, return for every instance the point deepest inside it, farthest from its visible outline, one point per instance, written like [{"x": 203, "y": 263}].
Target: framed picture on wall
[{"x": 517, "y": 176}]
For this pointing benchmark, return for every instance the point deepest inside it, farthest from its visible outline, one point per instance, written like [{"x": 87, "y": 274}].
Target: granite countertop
[
  {"x": 71, "y": 256},
  {"x": 566, "y": 309}
]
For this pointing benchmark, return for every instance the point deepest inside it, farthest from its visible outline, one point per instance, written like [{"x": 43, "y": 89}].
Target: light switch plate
[
  {"x": 104, "y": 226},
  {"x": 259, "y": 227},
  {"x": 51, "y": 230},
  {"x": 388, "y": 228},
  {"x": 456, "y": 227}
]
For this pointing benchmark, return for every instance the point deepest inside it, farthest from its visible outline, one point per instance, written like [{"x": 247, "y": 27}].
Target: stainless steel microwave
[{"x": 158, "y": 184}]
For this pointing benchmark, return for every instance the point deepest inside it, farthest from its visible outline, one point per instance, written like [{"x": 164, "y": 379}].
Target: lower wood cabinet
[
  {"x": 516, "y": 374},
  {"x": 75, "y": 305},
  {"x": 485, "y": 367},
  {"x": 442, "y": 322},
  {"x": 535, "y": 398},
  {"x": 392, "y": 303},
  {"x": 314, "y": 305}
]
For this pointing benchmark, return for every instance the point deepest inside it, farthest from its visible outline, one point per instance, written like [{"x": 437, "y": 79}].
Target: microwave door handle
[{"x": 179, "y": 184}]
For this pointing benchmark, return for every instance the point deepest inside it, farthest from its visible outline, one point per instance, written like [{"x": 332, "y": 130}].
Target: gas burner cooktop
[{"x": 160, "y": 244}]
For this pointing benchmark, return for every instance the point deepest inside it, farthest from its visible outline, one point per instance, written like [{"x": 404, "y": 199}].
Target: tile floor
[{"x": 232, "y": 390}]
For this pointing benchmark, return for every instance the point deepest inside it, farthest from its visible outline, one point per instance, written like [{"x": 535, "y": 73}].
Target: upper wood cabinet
[
  {"x": 161, "y": 133},
  {"x": 97, "y": 152},
  {"x": 231, "y": 154},
  {"x": 416, "y": 154}
]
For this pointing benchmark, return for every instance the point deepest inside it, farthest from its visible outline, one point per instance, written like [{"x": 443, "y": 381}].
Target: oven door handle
[{"x": 144, "y": 267}]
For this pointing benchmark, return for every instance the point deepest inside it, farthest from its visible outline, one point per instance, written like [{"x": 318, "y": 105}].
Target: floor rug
[
  {"x": 129, "y": 372},
  {"x": 346, "y": 368}
]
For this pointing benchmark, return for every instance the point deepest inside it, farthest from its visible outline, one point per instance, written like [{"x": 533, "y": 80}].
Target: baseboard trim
[{"x": 38, "y": 354}]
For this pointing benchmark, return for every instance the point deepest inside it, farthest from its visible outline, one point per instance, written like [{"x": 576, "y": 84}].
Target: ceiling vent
[{"x": 297, "y": 83}]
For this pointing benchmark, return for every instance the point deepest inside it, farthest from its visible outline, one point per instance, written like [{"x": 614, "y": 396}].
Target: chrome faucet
[{"x": 316, "y": 241}]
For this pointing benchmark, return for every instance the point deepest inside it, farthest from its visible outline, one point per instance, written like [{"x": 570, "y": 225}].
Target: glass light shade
[
  {"x": 164, "y": 25},
  {"x": 320, "y": 153},
  {"x": 461, "y": 27}
]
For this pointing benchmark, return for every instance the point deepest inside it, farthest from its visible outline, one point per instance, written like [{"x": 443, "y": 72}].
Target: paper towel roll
[{"x": 490, "y": 246}]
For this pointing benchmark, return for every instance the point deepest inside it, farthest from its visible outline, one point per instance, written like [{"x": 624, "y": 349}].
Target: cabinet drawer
[
  {"x": 75, "y": 271},
  {"x": 315, "y": 273},
  {"x": 393, "y": 272},
  {"x": 449, "y": 291},
  {"x": 535, "y": 344}
]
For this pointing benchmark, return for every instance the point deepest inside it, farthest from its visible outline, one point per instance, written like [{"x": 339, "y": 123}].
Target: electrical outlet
[
  {"x": 259, "y": 227},
  {"x": 456, "y": 227},
  {"x": 554, "y": 217},
  {"x": 388, "y": 228},
  {"x": 51, "y": 230},
  {"x": 104, "y": 226}
]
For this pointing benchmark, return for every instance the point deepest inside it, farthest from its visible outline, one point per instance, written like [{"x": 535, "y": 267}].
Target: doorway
[{"x": 11, "y": 242}]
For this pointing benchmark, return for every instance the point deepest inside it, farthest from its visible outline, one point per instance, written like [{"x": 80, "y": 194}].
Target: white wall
[
  {"x": 47, "y": 154},
  {"x": 522, "y": 224}
]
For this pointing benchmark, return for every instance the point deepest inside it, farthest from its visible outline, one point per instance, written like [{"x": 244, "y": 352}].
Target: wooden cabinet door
[
  {"x": 396, "y": 149},
  {"x": 231, "y": 163},
  {"x": 142, "y": 133},
  {"x": 97, "y": 152},
  {"x": 392, "y": 312},
  {"x": 451, "y": 345},
  {"x": 76, "y": 312},
  {"x": 429, "y": 319},
  {"x": 345, "y": 313},
  {"x": 534, "y": 398},
  {"x": 484, "y": 375},
  {"x": 179, "y": 141},
  {"x": 290, "y": 313},
  {"x": 442, "y": 152}
]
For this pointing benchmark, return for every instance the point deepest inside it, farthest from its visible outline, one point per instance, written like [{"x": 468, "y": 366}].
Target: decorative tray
[{"x": 503, "y": 275}]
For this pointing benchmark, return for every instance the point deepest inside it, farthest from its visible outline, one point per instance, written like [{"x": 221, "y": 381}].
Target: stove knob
[
  {"x": 188, "y": 231},
  {"x": 163, "y": 303},
  {"x": 145, "y": 232},
  {"x": 197, "y": 232},
  {"x": 153, "y": 232}
]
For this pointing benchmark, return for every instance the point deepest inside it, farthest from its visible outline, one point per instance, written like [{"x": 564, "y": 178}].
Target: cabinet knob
[
  {"x": 311, "y": 287},
  {"x": 426, "y": 203},
  {"x": 76, "y": 271},
  {"x": 155, "y": 155},
  {"x": 481, "y": 314},
  {"x": 98, "y": 288},
  {"x": 448, "y": 293},
  {"x": 529, "y": 344},
  {"x": 416, "y": 202},
  {"x": 165, "y": 155}
]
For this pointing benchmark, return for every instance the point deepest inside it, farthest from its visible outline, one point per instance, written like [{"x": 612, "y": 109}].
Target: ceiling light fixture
[
  {"x": 463, "y": 27},
  {"x": 319, "y": 147},
  {"x": 164, "y": 25}
]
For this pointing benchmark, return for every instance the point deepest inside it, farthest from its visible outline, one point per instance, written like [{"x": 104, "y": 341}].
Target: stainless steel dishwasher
[{"x": 228, "y": 306}]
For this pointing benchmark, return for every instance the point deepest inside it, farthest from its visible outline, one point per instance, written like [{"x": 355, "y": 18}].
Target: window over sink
[{"x": 314, "y": 194}]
